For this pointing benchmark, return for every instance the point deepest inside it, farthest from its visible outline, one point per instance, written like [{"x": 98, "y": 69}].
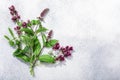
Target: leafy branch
[{"x": 28, "y": 44}]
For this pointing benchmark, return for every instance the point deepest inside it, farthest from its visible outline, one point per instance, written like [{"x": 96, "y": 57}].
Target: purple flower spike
[{"x": 50, "y": 34}]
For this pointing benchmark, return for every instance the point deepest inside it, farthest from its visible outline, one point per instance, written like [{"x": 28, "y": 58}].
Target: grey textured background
[{"x": 91, "y": 26}]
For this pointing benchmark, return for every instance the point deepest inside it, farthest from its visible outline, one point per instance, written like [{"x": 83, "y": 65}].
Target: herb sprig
[{"x": 29, "y": 48}]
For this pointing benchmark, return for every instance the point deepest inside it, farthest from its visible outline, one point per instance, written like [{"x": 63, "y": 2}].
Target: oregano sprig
[{"x": 28, "y": 47}]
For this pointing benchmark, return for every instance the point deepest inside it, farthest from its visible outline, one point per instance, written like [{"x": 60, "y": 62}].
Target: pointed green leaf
[
  {"x": 36, "y": 47},
  {"x": 41, "y": 29},
  {"x": 7, "y": 37},
  {"x": 11, "y": 43},
  {"x": 27, "y": 30},
  {"x": 35, "y": 22},
  {"x": 19, "y": 54},
  {"x": 11, "y": 32},
  {"x": 19, "y": 23},
  {"x": 47, "y": 58},
  {"x": 44, "y": 39},
  {"x": 51, "y": 43}
]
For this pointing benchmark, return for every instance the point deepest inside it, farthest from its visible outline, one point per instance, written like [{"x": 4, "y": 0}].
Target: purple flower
[
  {"x": 66, "y": 54},
  {"x": 12, "y": 8},
  {"x": 50, "y": 34},
  {"x": 24, "y": 24},
  {"x": 56, "y": 46},
  {"x": 60, "y": 58},
  {"x": 14, "y": 18},
  {"x": 18, "y": 32},
  {"x": 44, "y": 12},
  {"x": 17, "y": 28},
  {"x": 14, "y": 14},
  {"x": 66, "y": 51}
]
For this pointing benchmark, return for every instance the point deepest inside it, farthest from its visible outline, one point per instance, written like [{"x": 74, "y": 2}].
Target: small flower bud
[
  {"x": 12, "y": 8},
  {"x": 24, "y": 24},
  {"x": 50, "y": 34}
]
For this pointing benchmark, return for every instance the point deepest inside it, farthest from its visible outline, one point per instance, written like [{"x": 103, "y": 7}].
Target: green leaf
[
  {"x": 11, "y": 32},
  {"x": 11, "y": 43},
  {"x": 27, "y": 30},
  {"x": 35, "y": 22},
  {"x": 26, "y": 39},
  {"x": 36, "y": 47},
  {"x": 47, "y": 58},
  {"x": 24, "y": 58},
  {"x": 51, "y": 43},
  {"x": 17, "y": 42},
  {"x": 26, "y": 50},
  {"x": 41, "y": 29},
  {"x": 7, "y": 37},
  {"x": 44, "y": 39},
  {"x": 19, "y": 23},
  {"x": 19, "y": 54}
]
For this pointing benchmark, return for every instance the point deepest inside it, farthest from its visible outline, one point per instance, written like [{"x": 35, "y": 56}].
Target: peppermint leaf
[
  {"x": 35, "y": 22},
  {"x": 11, "y": 43},
  {"x": 11, "y": 32},
  {"x": 36, "y": 47},
  {"x": 7, "y": 37},
  {"x": 44, "y": 39},
  {"x": 51, "y": 43},
  {"x": 47, "y": 58},
  {"x": 27, "y": 30},
  {"x": 41, "y": 29},
  {"x": 19, "y": 54}
]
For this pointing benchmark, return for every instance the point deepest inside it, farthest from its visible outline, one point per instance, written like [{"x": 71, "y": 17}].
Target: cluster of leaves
[{"x": 29, "y": 48}]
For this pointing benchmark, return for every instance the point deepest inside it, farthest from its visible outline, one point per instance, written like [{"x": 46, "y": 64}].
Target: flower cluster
[
  {"x": 28, "y": 46},
  {"x": 14, "y": 13},
  {"x": 17, "y": 29},
  {"x": 66, "y": 51}
]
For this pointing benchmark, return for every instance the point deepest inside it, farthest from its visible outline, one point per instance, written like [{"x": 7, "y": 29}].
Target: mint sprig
[{"x": 28, "y": 44}]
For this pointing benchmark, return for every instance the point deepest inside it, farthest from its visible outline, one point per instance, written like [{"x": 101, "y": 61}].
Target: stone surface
[{"x": 91, "y": 26}]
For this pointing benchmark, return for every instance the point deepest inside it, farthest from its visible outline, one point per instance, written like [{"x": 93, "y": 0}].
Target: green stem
[{"x": 34, "y": 62}]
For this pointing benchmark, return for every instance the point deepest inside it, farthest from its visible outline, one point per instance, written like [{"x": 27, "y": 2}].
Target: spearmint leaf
[
  {"x": 19, "y": 54},
  {"x": 17, "y": 42},
  {"x": 11, "y": 32},
  {"x": 24, "y": 58},
  {"x": 26, "y": 39},
  {"x": 26, "y": 49},
  {"x": 41, "y": 29},
  {"x": 36, "y": 47},
  {"x": 51, "y": 43},
  {"x": 11, "y": 43},
  {"x": 47, "y": 58},
  {"x": 27, "y": 30},
  {"x": 35, "y": 22},
  {"x": 19, "y": 23},
  {"x": 44, "y": 39},
  {"x": 7, "y": 37}
]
